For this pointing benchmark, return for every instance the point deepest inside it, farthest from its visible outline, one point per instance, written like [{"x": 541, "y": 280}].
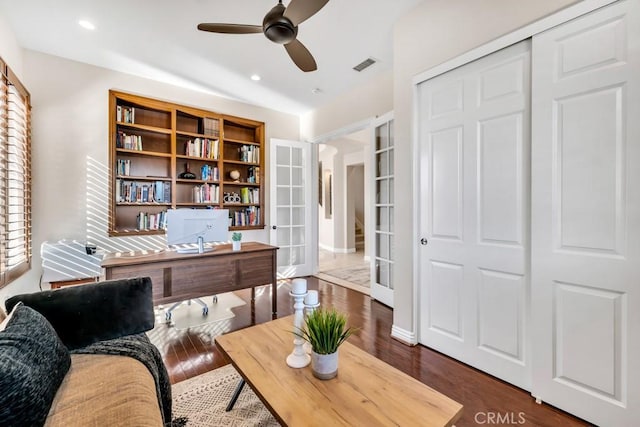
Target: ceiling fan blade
[
  {"x": 230, "y": 28},
  {"x": 301, "y": 10},
  {"x": 301, "y": 56}
]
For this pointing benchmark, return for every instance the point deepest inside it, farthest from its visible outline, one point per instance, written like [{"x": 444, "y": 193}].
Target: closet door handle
[{"x": 423, "y": 241}]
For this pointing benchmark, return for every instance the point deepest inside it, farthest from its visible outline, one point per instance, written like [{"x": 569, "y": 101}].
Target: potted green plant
[
  {"x": 235, "y": 241},
  {"x": 325, "y": 330}
]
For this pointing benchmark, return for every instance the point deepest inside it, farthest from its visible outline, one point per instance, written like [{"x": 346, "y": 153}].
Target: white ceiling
[{"x": 158, "y": 39}]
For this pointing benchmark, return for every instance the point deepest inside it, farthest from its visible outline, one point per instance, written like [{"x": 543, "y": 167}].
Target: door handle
[
  {"x": 424, "y": 241},
  {"x": 274, "y": 227}
]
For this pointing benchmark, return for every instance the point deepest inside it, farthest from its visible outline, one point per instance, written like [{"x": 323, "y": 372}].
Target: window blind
[{"x": 15, "y": 177}]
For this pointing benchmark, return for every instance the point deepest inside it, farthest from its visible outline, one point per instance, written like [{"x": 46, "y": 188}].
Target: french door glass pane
[
  {"x": 297, "y": 216},
  {"x": 283, "y": 236},
  {"x": 283, "y": 175},
  {"x": 297, "y": 177},
  {"x": 284, "y": 196},
  {"x": 297, "y": 235},
  {"x": 284, "y": 215},
  {"x": 382, "y": 216},
  {"x": 382, "y": 191},
  {"x": 382, "y": 163},
  {"x": 297, "y": 195},
  {"x": 283, "y": 256},
  {"x": 382, "y": 137},
  {"x": 297, "y": 255},
  {"x": 283, "y": 156},
  {"x": 297, "y": 157}
]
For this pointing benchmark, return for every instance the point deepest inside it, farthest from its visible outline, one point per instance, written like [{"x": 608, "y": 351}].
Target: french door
[
  {"x": 383, "y": 210},
  {"x": 474, "y": 149},
  {"x": 290, "y": 206}
]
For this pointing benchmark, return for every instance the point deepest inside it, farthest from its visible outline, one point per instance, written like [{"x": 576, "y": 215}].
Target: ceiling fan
[{"x": 280, "y": 25}]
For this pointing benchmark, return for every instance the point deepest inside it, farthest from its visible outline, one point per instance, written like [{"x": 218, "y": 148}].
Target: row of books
[
  {"x": 128, "y": 142},
  {"x": 151, "y": 221},
  {"x": 209, "y": 173},
  {"x": 249, "y": 153},
  {"x": 247, "y": 216},
  {"x": 211, "y": 126},
  {"x": 206, "y": 193},
  {"x": 125, "y": 114},
  {"x": 135, "y": 192},
  {"x": 253, "y": 174},
  {"x": 249, "y": 195},
  {"x": 123, "y": 167},
  {"x": 202, "y": 147}
]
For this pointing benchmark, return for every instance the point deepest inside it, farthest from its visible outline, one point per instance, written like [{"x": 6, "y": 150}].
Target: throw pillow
[{"x": 33, "y": 363}]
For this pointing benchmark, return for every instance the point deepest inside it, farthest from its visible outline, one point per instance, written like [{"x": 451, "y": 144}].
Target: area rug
[
  {"x": 358, "y": 275},
  {"x": 203, "y": 400},
  {"x": 190, "y": 315}
]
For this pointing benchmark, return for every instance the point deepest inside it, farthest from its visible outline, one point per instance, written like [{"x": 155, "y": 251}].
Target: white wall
[
  {"x": 70, "y": 131},
  {"x": 10, "y": 51},
  {"x": 372, "y": 99}
]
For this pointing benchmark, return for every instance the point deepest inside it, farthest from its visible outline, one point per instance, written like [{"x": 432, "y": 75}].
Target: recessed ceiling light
[
  {"x": 316, "y": 90},
  {"x": 86, "y": 24},
  {"x": 255, "y": 77}
]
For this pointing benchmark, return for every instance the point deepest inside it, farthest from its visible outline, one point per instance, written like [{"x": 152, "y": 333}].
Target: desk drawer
[{"x": 255, "y": 270}]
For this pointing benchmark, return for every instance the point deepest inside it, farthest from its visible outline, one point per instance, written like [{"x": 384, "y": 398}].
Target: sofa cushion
[
  {"x": 33, "y": 363},
  {"x": 83, "y": 315},
  {"x": 105, "y": 390}
]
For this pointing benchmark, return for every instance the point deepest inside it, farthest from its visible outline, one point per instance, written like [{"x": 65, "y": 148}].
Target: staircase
[{"x": 359, "y": 235}]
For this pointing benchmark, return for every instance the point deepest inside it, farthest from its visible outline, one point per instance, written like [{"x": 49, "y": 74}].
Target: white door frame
[{"x": 516, "y": 36}]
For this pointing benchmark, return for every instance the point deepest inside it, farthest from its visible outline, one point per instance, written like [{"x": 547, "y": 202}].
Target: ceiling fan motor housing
[{"x": 277, "y": 28}]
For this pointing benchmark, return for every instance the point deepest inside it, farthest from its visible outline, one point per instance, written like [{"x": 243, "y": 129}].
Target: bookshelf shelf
[
  {"x": 134, "y": 126},
  {"x": 153, "y": 143}
]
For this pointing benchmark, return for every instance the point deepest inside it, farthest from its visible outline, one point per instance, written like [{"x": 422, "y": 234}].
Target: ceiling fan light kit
[{"x": 280, "y": 25}]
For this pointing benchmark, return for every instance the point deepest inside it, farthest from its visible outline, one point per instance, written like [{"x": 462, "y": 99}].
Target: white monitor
[{"x": 197, "y": 226}]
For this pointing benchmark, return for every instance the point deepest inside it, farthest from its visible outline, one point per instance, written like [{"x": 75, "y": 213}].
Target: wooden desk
[
  {"x": 179, "y": 277},
  {"x": 366, "y": 392}
]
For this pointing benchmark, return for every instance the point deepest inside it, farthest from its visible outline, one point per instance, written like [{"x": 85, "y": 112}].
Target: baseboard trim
[
  {"x": 404, "y": 336},
  {"x": 337, "y": 250}
]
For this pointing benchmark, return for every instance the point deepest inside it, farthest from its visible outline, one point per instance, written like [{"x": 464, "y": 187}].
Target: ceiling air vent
[{"x": 364, "y": 64}]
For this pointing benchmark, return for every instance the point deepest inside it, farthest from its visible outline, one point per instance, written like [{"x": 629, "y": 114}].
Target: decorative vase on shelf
[{"x": 187, "y": 174}]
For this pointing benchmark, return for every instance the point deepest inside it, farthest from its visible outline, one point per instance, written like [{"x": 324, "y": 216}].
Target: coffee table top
[{"x": 367, "y": 391}]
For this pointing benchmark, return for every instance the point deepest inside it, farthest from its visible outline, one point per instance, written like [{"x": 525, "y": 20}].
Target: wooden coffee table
[{"x": 367, "y": 391}]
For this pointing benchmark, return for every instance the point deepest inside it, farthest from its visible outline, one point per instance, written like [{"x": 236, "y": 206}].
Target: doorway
[{"x": 343, "y": 193}]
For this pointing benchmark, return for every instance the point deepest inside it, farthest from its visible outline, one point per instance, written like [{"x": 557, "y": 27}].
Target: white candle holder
[
  {"x": 308, "y": 309},
  {"x": 298, "y": 357}
]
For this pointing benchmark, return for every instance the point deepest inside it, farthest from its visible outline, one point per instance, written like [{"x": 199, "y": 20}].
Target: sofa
[{"x": 78, "y": 356}]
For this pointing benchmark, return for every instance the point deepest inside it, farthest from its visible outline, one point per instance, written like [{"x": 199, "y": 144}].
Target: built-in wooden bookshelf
[{"x": 164, "y": 155}]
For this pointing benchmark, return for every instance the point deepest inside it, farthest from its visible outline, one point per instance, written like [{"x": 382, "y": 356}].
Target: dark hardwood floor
[{"x": 486, "y": 400}]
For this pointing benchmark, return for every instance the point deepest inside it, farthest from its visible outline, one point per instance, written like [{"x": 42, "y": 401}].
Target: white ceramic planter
[
  {"x": 235, "y": 245},
  {"x": 324, "y": 366}
]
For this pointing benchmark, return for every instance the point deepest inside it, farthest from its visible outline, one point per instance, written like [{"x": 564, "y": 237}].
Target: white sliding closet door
[
  {"x": 586, "y": 216},
  {"x": 474, "y": 145}
]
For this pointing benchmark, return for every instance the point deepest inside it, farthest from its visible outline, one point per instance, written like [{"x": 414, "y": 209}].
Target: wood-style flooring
[{"x": 191, "y": 352}]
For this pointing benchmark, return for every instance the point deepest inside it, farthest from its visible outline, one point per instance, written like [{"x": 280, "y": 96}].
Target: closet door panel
[
  {"x": 474, "y": 212},
  {"x": 586, "y": 215}
]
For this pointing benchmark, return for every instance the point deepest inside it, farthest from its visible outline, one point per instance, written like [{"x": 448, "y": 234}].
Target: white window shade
[{"x": 15, "y": 178}]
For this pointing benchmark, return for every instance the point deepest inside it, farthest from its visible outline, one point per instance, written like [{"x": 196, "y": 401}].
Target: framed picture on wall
[{"x": 320, "y": 183}]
